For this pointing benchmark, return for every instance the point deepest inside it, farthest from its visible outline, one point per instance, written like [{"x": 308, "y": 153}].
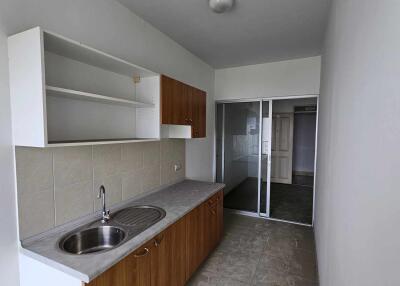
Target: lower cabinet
[
  {"x": 172, "y": 257},
  {"x": 169, "y": 256}
]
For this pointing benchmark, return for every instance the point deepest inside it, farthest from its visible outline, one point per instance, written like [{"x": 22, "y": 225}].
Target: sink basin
[
  {"x": 97, "y": 239},
  {"x": 123, "y": 225}
]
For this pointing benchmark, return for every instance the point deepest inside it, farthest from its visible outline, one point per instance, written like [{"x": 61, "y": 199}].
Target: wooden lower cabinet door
[
  {"x": 168, "y": 258},
  {"x": 138, "y": 266},
  {"x": 220, "y": 214},
  {"x": 195, "y": 239},
  {"x": 212, "y": 227},
  {"x": 115, "y": 276}
]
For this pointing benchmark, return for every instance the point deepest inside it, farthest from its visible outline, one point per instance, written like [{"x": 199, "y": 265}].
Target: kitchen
[{"x": 113, "y": 150}]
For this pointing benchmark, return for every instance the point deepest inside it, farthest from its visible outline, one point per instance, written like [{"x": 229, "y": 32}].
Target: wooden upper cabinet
[
  {"x": 167, "y": 99},
  {"x": 199, "y": 113},
  {"x": 182, "y": 104}
]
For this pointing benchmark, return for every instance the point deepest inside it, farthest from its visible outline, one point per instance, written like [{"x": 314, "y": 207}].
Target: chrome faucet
[{"x": 105, "y": 214}]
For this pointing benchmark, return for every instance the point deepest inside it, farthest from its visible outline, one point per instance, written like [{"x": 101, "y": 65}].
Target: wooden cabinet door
[
  {"x": 212, "y": 224},
  {"x": 167, "y": 99},
  {"x": 168, "y": 258},
  {"x": 198, "y": 113},
  {"x": 176, "y": 106},
  {"x": 203, "y": 114},
  {"x": 180, "y": 103},
  {"x": 138, "y": 266},
  {"x": 115, "y": 276},
  {"x": 195, "y": 239},
  {"x": 220, "y": 214}
]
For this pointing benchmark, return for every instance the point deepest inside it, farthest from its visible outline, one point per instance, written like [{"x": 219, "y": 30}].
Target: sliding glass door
[
  {"x": 243, "y": 148},
  {"x": 265, "y": 158}
]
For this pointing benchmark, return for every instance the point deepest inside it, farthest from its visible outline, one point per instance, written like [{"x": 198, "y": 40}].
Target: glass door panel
[{"x": 238, "y": 149}]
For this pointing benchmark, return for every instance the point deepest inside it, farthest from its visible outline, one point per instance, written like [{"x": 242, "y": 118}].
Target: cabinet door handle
[
  {"x": 144, "y": 253},
  {"x": 157, "y": 242}
]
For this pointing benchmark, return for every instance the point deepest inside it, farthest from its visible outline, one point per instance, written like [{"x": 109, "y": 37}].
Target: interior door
[{"x": 282, "y": 148}]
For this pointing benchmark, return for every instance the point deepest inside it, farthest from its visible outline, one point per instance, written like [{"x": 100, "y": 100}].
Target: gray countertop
[{"x": 177, "y": 200}]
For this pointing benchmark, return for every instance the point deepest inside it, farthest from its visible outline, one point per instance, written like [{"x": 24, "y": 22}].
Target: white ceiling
[{"x": 255, "y": 31}]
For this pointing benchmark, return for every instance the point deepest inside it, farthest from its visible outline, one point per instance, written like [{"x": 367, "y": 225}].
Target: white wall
[
  {"x": 294, "y": 77},
  {"x": 108, "y": 26},
  {"x": 8, "y": 222},
  {"x": 357, "y": 199}
]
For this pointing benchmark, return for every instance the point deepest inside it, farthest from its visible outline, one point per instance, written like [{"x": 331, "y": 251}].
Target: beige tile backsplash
[{"x": 57, "y": 185}]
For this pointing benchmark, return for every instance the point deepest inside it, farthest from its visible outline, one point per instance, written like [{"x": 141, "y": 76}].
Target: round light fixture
[{"x": 220, "y": 6}]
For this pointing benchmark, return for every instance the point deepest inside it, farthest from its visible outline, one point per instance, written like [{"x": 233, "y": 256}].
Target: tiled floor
[
  {"x": 291, "y": 202},
  {"x": 259, "y": 252}
]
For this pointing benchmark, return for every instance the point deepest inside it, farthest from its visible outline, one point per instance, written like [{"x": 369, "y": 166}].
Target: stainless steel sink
[
  {"x": 101, "y": 238},
  {"x": 139, "y": 216}
]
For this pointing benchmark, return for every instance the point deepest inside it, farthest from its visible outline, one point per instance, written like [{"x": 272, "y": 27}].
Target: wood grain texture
[
  {"x": 116, "y": 275},
  {"x": 138, "y": 266},
  {"x": 195, "y": 242},
  {"x": 198, "y": 113},
  {"x": 166, "y": 99},
  {"x": 168, "y": 257},
  {"x": 182, "y": 104}
]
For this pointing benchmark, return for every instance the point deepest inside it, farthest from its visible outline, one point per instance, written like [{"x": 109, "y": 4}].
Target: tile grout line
[
  {"x": 54, "y": 189},
  {"x": 92, "y": 167}
]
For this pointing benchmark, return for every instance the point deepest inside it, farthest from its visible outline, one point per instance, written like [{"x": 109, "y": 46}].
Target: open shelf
[
  {"x": 65, "y": 93},
  {"x": 74, "y": 94},
  {"x": 75, "y": 50},
  {"x": 98, "y": 141}
]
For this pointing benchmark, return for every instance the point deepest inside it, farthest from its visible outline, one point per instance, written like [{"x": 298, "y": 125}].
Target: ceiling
[{"x": 255, "y": 31}]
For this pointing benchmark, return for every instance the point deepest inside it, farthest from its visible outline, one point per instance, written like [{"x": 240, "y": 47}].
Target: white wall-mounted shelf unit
[
  {"x": 65, "y": 93},
  {"x": 75, "y": 94}
]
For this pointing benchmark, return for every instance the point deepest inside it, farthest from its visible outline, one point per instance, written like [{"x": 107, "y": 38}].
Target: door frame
[
  {"x": 271, "y": 99},
  {"x": 269, "y": 156}
]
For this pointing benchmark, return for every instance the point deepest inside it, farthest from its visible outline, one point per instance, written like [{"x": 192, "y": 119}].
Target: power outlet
[{"x": 177, "y": 167}]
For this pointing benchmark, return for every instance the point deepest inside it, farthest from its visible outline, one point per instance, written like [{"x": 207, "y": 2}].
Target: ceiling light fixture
[{"x": 220, "y": 6}]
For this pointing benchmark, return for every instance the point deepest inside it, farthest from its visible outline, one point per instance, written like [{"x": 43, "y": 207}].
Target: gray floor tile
[
  {"x": 205, "y": 278},
  {"x": 254, "y": 251},
  {"x": 273, "y": 278},
  {"x": 238, "y": 265}
]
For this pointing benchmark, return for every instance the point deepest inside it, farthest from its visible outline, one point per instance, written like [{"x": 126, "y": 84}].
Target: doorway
[
  {"x": 265, "y": 154},
  {"x": 293, "y": 158}
]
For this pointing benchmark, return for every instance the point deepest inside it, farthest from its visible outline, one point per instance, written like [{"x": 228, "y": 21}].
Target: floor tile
[
  {"x": 273, "y": 278},
  {"x": 238, "y": 265},
  {"x": 256, "y": 251},
  {"x": 205, "y": 278}
]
